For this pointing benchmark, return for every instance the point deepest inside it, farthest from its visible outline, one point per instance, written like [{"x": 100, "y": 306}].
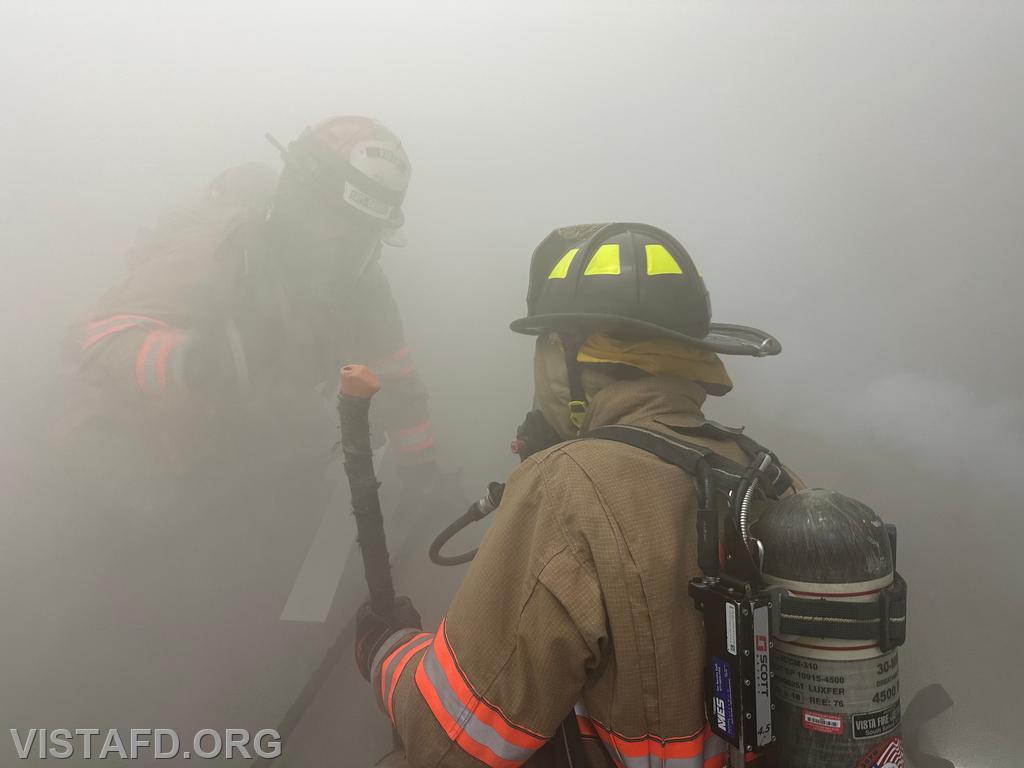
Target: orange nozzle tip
[{"x": 358, "y": 381}]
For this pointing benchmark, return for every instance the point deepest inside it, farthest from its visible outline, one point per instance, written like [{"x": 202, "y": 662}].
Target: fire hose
[{"x": 357, "y": 387}]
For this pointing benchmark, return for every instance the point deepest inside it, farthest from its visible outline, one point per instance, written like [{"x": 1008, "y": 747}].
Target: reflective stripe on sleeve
[
  {"x": 413, "y": 439},
  {"x": 394, "y": 664},
  {"x": 100, "y": 329},
  {"x": 700, "y": 750},
  {"x": 474, "y": 724},
  {"x": 151, "y": 362},
  {"x": 397, "y": 365}
]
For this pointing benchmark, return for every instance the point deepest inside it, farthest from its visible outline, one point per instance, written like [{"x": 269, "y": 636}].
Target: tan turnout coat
[{"x": 578, "y": 597}]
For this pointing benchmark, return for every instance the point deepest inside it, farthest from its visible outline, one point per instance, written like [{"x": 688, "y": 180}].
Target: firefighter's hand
[{"x": 372, "y": 629}]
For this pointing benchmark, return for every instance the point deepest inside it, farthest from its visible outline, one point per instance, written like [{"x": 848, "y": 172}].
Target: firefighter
[
  {"x": 196, "y": 440},
  {"x": 240, "y": 303},
  {"x": 572, "y": 640}
]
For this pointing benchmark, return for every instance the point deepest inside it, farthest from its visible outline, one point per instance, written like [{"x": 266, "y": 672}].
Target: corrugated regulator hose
[{"x": 478, "y": 510}]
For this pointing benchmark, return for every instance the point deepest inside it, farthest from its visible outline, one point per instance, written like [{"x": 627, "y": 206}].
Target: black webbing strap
[
  {"x": 569, "y": 749},
  {"x": 883, "y": 620},
  {"x": 672, "y": 450},
  {"x": 775, "y": 474}
]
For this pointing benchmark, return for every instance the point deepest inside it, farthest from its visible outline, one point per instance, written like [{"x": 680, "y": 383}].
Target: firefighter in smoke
[
  {"x": 576, "y": 602},
  {"x": 236, "y": 301},
  {"x": 196, "y": 428}
]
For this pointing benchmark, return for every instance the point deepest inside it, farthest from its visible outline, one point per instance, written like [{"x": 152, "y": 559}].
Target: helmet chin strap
[{"x": 571, "y": 343}]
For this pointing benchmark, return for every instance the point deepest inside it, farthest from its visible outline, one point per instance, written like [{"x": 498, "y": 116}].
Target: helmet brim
[{"x": 723, "y": 338}]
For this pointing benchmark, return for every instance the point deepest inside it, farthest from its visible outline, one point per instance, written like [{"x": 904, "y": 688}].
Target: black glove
[{"x": 372, "y": 629}]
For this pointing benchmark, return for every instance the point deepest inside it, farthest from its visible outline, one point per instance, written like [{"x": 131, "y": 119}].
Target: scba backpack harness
[{"x": 803, "y": 610}]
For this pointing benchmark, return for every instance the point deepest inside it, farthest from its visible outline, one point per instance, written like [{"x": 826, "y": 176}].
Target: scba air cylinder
[{"x": 841, "y": 614}]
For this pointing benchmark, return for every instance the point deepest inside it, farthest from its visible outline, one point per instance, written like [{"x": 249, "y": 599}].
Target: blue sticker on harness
[{"x": 721, "y": 697}]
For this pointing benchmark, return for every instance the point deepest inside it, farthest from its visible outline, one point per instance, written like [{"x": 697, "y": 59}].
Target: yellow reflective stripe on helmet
[
  {"x": 605, "y": 261},
  {"x": 562, "y": 267},
  {"x": 660, "y": 261}
]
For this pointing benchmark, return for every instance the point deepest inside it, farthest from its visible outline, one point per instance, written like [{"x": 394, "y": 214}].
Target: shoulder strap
[
  {"x": 685, "y": 455},
  {"x": 718, "y": 431},
  {"x": 775, "y": 474}
]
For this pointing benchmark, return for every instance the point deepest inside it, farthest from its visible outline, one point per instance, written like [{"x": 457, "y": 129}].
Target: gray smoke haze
[{"x": 847, "y": 176}]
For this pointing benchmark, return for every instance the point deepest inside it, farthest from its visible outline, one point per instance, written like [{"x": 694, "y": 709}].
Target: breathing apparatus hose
[
  {"x": 478, "y": 510},
  {"x": 745, "y": 494}
]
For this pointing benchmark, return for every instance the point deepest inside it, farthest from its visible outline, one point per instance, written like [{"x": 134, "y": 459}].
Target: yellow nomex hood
[{"x": 660, "y": 357}]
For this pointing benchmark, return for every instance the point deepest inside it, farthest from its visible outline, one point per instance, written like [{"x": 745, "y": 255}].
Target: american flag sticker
[{"x": 888, "y": 755}]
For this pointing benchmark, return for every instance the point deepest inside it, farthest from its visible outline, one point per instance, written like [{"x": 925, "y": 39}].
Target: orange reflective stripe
[
  {"x": 414, "y": 431},
  {"x": 586, "y": 726},
  {"x": 96, "y": 325},
  {"x": 401, "y": 373},
  {"x": 90, "y": 341},
  {"x": 413, "y": 439},
  {"x": 386, "y": 664},
  {"x": 100, "y": 329},
  {"x": 152, "y": 358},
  {"x": 700, "y": 750},
  {"x": 478, "y": 727},
  {"x": 391, "y": 359},
  {"x": 169, "y": 341},
  {"x": 411, "y": 649},
  {"x": 393, "y": 366},
  {"x": 452, "y": 728},
  {"x": 142, "y": 361},
  {"x": 488, "y": 713},
  {"x": 653, "y": 747},
  {"x": 417, "y": 447}
]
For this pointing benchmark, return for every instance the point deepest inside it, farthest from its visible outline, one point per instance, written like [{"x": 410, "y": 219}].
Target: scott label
[{"x": 762, "y": 677}]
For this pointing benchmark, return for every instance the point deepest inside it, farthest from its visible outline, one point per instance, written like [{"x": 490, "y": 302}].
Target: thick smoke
[{"x": 846, "y": 176}]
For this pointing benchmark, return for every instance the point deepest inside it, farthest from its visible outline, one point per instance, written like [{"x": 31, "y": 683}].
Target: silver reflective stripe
[
  {"x": 477, "y": 730},
  {"x": 153, "y": 345},
  {"x": 715, "y": 745},
  {"x": 712, "y": 747},
  {"x": 416, "y": 642},
  {"x": 653, "y": 761},
  {"x": 160, "y": 360},
  {"x": 390, "y": 645}
]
